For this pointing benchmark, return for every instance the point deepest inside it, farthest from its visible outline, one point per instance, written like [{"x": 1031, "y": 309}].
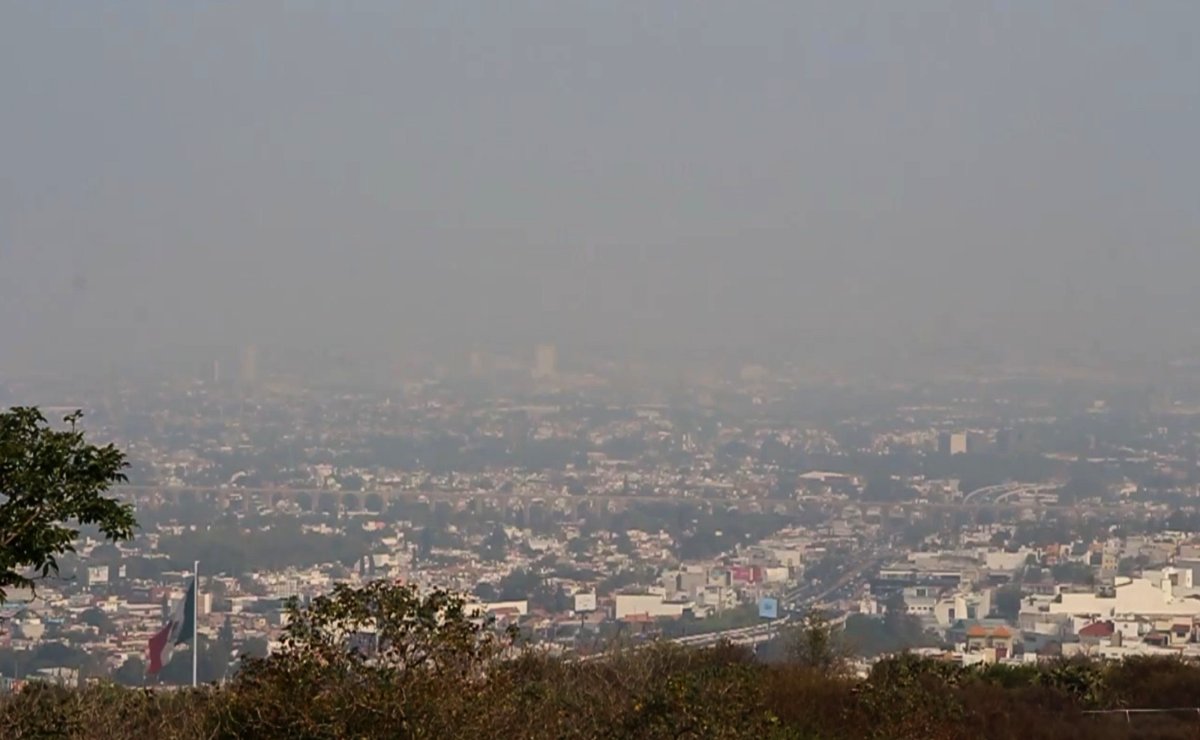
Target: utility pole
[{"x": 195, "y": 620}]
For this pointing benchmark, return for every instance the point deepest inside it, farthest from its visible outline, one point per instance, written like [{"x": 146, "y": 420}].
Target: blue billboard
[{"x": 768, "y": 608}]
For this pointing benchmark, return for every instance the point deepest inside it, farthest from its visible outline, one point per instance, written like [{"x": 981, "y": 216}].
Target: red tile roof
[
  {"x": 642, "y": 618},
  {"x": 978, "y": 630},
  {"x": 1097, "y": 629}
]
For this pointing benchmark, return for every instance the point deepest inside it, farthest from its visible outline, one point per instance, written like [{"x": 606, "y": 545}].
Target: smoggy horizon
[{"x": 774, "y": 178}]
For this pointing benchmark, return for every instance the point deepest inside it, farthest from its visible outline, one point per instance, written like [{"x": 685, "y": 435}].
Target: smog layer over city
[{"x": 658, "y": 369}]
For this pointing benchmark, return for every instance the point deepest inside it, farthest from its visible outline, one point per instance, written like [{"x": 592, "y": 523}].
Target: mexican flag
[{"x": 176, "y": 631}]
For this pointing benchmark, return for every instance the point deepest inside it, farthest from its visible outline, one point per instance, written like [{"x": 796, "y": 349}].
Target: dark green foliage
[
  {"x": 871, "y": 636},
  {"x": 1008, "y": 602},
  {"x": 227, "y": 547},
  {"x": 814, "y": 645},
  {"x": 439, "y": 672},
  {"x": 52, "y": 482},
  {"x": 495, "y": 546},
  {"x": 95, "y": 617},
  {"x": 1073, "y": 572},
  {"x": 744, "y": 615},
  {"x": 131, "y": 673},
  {"x": 42, "y": 711}
]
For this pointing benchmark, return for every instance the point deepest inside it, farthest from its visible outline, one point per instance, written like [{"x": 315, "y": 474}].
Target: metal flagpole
[{"x": 195, "y": 613}]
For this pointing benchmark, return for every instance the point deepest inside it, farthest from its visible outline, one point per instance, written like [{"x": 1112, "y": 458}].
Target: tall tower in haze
[
  {"x": 249, "y": 369},
  {"x": 545, "y": 362},
  {"x": 478, "y": 363}
]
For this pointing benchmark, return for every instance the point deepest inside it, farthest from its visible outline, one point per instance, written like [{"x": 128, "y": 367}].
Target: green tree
[
  {"x": 131, "y": 673},
  {"x": 1132, "y": 566},
  {"x": 254, "y": 647},
  {"x": 225, "y": 635},
  {"x": 425, "y": 544},
  {"x": 486, "y": 592},
  {"x": 495, "y": 546},
  {"x": 52, "y": 481},
  {"x": 579, "y": 546},
  {"x": 96, "y": 618},
  {"x": 1073, "y": 572},
  {"x": 872, "y": 636},
  {"x": 1008, "y": 602},
  {"x": 384, "y": 660},
  {"x": 412, "y": 629},
  {"x": 1084, "y": 483},
  {"x": 814, "y": 644},
  {"x": 623, "y": 544}
]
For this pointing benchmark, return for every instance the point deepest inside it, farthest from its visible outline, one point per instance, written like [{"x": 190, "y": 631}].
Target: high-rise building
[
  {"x": 952, "y": 443},
  {"x": 1012, "y": 441},
  {"x": 1006, "y": 441},
  {"x": 545, "y": 362},
  {"x": 478, "y": 363},
  {"x": 249, "y": 370}
]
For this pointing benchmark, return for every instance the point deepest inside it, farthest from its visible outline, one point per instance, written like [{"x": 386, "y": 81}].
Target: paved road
[
  {"x": 1006, "y": 491},
  {"x": 802, "y": 598}
]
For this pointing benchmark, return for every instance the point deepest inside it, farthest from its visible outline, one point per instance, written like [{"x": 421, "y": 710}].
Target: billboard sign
[
  {"x": 585, "y": 602},
  {"x": 768, "y": 608}
]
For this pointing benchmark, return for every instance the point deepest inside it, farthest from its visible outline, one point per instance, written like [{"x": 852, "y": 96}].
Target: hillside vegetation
[{"x": 431, "y": 670}]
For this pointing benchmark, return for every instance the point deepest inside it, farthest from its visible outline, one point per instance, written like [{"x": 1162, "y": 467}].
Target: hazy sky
[{"x": 175, "y": 175}]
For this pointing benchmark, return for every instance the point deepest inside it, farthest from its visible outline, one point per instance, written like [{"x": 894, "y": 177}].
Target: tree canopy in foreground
[
  {"x": 392, "y": 661},
  {"x": 52, "y": 481}
]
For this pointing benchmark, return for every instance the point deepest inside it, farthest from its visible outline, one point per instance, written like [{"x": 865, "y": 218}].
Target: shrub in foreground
[{"x": 421, "y": 667}]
